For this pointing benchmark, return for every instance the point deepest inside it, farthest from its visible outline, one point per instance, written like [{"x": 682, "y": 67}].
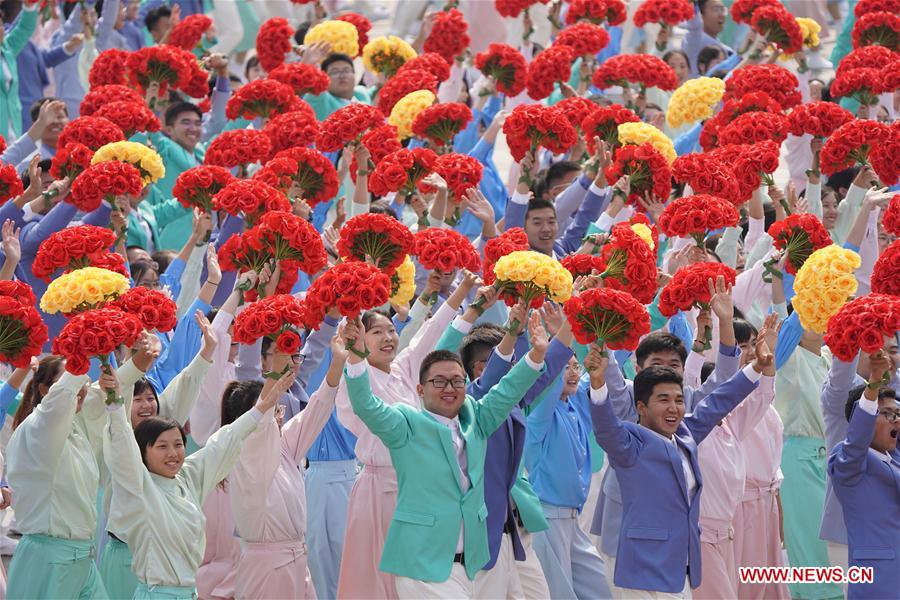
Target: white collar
[{"x": 451, "y": 423}]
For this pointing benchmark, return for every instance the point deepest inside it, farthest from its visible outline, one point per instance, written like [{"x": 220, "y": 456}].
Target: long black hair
[
  {"x": 48, "y": 371},
  {"x": 238, "y": 398},
  {"x": 149, "y": 430}
]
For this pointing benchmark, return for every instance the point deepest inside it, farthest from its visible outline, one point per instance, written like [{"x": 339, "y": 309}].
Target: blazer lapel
[
  {"x": 446, "y": 439},
  {"x": 674, "y": 455}
]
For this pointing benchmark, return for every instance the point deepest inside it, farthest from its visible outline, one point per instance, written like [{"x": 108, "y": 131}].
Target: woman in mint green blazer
[{"x": 13, "y": 42}]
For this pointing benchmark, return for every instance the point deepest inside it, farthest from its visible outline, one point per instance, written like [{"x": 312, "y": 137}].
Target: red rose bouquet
[
  {"x": 585, "y": 39},
  {"x": 647, "y": 169},
  {"x": 850, "y": 144},
  {"x": 579, "y": 264},
  {"x": 189, "y": 31},
  {"x": 867, "y": 57},
  {"x": 696, "y": 216},
  {"x": 666, "y": 13},
  {"x": 742, "y": 10},
  {"x": 818, "y": 119},
  {"x": 645, "y": 70},
  {"x": 197, "y": 85},
  {"x": 891, "y": 219},
  {"x": 104, "y": 181},
  {"x": 877, "y": 29},
  {"x": 603, "y": 122},
  {"x": 70, "y": 160},
  {"x": 131, "y": 117},
  {"x": 303, "y": 78},
  {"x": 439, "y": 123},
  {"x": 862, "y": 324},
  {"x": 286, "y": 236},
  {"x": 401, "y": 171},
  {"x": 402, "y": 84},
  {"x": 22, "y": 332},
  {"x": 576, "y": 110},
  {"x": 250, "y": 198},
  {"x": 779, "y": 83},
  {"x": 530, "y": 126},
  {"x": 380, "y": 142},
  {"x": 95, "y": 333},
  {"x": 607, "y": 317},
  {"x": 431, "y": 62},
  {"x": 612, "y": 12},
  {"x": 155, "y": 310},
  {"x": 511, "y": 240},
  {"x": 629, "y": 264},
  {"x": 71, "y": 248},
  {"x": 885, "y": 157},
  {"x": 779, "y": 27},
  {"x": 377, "y": 239},
  {"x": 760, "y": 158},
  {"x": 732, "y": 109},
  {"x": 278, "y": 318},
  {"x": 446, "y": 250},
  {"x": 196, "y": 187},
  {"x": 506, "y": 65},
  {"x": 449, "y": 36},
  {"x": 707, "y": 174},
  {"x": 312, "y": 173},
  {"x": 347, "y": 125},
  {"x": 750, "y": 128},
  {"x": 867, "y": 6},
  {"x": 550, "y": 66},
  {"x": 104, "y": 94},
  {"x": 798, "y": 235},
  {"x": 886, "y": 272},
  {"x": 351, "y": 287},
  {"x": 238, "y": 148},
  {"x": 513, "y": 8},
  {"x": 296, "y": 128},
  {"x": 362, "y": 24},
  {"x": 863, "y": 85},
  {"x": 273, "y": 42},
  {"x": 691, "y": 285},
  {"x": 163, "y": 65},
  {"x": 93, "y": 132},
  {"x": 262, "y": 98},
  {"x": 108, "y": 68},
  {"x": 10, "y": 184},
  {"x": 461, "y": 172},
  {"x": 111, "y": 262}
]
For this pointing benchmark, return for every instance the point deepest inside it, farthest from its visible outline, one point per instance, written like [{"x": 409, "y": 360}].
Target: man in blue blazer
[
  {"x": 865, "y": 475},
  {"x": 657, "y": 469}
]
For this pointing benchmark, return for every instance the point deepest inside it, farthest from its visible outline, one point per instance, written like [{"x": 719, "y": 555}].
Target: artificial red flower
[
  {"x": 377, "y": 239},
  {"x": 891, "y": 219},
  {"x": 104, "y": 181},
  {"x": 263, "y": 98},
  {"x": 155, "y": 310},
  {"x": 603, "y": 122},
  {"x": 362, "y": 24},
  {"x": 885, "y": 157},
  {"x": 645, "y": 70},
  {"x": 707, "y": 174},
  {"x": 851, "y": 143},
  {"x": 110, "y": 261},
  {"x": 164, "y": 65},
  {"x": 449, "y": 35},
  {"x": 576, "y": 110},
  {"x": 750, "y": 128},
  {"x": 731, "y": 110},
  {"x": 238, "y": 148},
  {"x": 580, "y": 264},
  {"x": 506, "y": 65},
  {"x": 647, "y": 170},
  {"x": 250, "y": 198},
  {"x": 10, "y": 184},
  {"x": 550, "y": 66},
  {"x": 196, "y": 187},
  {"x": 610, "y": 318},
  {"x": 95, "y": 333},
  {"x": 273, "y": 42},
  {"x": 862, "y": 324},
  {"x": 432, "y": 62},
  {"x": 440, "y": 123},
  {"x": 742, "y": 10},
  {"x": 93, "y": 132},
  {"x": 22, "y": 332},
  {"x": 189, "y": 31},
  {"x": 512, "y": 240},
  {"x": 70, "y": 160},
  {"x": 690, "y": 286},
  {"x": 401, "y": 84},
  {"x": 401, "y": 171},
  {"x": 818, "y": 119},
  {"x": 799, "y": 235},
  {"x": 292, "y": 129},
  {"x": 351, "y": 287},
  {"x": 696, "y": 216},
  {"x": 886, "y": 272},
  {"x": 104, "y": 94},
  {"x": 870, "y": 57},
  {"x": 629, "y": 264},
  {"x": 131, "y": 117},
  {"x": 779, "y": 27},
  {"x": 868, "y": 6},
  {"x": 663, "y": 12},
  {"x": 530, "y": 126},
  {"x": 347, "y": 125},
  {"x": 380, "y": 142},
  {"x": 513, "y": 8},
  {"x": 863, "y": 85},
  {"x": 598, "y": 12},
  {"x": 108, "y": 68},
  {"x": 752, "y": 164},
  {"x": 779, "y": 83},
  {"x": 273, "y": 317},
  {"x": 301, "y": 77},
  {"x": 877, "y": 29},
  {"x": 585, "y": 39},
  {"x": 286, "y": 236},
  {"x": 70, "y": 249},
  {"x": 446, "y": 250},
  {"x": 461, "y": 172},
  {"x": 309, "y": 170}
]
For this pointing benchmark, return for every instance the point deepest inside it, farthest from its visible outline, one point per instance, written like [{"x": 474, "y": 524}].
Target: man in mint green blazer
[{"x": 437, "y": 542}]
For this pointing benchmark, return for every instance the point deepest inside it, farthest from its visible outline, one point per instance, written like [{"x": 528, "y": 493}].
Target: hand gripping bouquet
[
  {"x": 72, "y": 248},
  {"x": 351, "y": 287},
  {"x": 278, "y": 318},
  {"x": 629, "y": 264},
  {"x": 461, "y": 172},
  {"x": 511, "y": 240},
  {"x": 607, "y": 317},
  {"x": 22, "y": 332},
  {"x": 377, "y": 239},
  {"x": 250, "y": 199},
  {"x": 530, "y": 126},
  {"x": 886, "y": 272},
  {"x": 440, "y": 123},
  {"x": 824, "y": 283},
  {"x": 104, "y": 181},
  {"x": 506, "y": 65},
  {"x": 694, "y": 100},
  {"x": 531, "y": 277},
  {"x": 263, "y": 98},
  {"x": 861, "y": 326},
  {"x": 401, "y": 171},
  {"x": 696, "y": 216},
  {"x": 798, "y": 235},
  {"x": 238, "y": 148},
  {"x": 603, "y": 122},
  {"x": 347, "y": 125},
  {"x": 313, "y": 175},
  {"x": 296, "y": 128},
  {"x": 692, "y": 287},
  {"x": 196, "y": 187},
  {"x": 154, "y": 309},
  {"x": 82, "y": 289}
]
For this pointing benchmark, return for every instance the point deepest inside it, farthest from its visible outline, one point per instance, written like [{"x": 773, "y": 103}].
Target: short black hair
[
  {"x": 857, "y": 392},
  {"x": 238, "y": 398},
  {"x": 333, "y": 58},
  {"x": 163, "y": 259},
  {"x": 370, "y": 315},
  {"x": 558, "y": 170},
  {"x": 139, "y": 267},
  {"x": 253, "y": 61},
  {"x": 708, "y": 56},
  {"x": 35, "y": 109},
  {"x": 300, "y": 32},
  {"x": 153, "y": 17},
  {"x": 659, "y": 341},
  {"x": 648, "y": 378},
  {"x": 842, "y": 179},
  {"x": 672, "y": 53},
  {"x": 706, "y": 370},
  {"x": 744, "y": 331},
  {"x": 26, "y": 178},
  {"x": 149, "y": 430},
  {"x": 381, "y": 207},
  {"x": 142, "y": 385},
  {"x": 180, "y": 108},
  {"x": 539, "y": 204},
  {"x": 437, "y": 356},
  {"x": 484, "y": 335}
]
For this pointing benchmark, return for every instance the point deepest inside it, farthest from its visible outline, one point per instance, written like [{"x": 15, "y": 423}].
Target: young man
[
  {"x": 49, "y": 116},
  {"x": 656, "y": 464},
  {"x": 704, "y": 29},
  {"x": 437, "y": 542},
  {"x": 342, "y": 89},
  {"x": 865, "y": 474}
]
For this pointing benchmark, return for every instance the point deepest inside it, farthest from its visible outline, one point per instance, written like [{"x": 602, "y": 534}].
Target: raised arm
[
  {"x": 618, "y": 441},
  {"x": 50, "y": 423},
  {"x": 178, "y": 398},
  {"x": 847, "y": 463},
  {"x": 206, "y": 415},
  {"x": 21, "y": 31}
]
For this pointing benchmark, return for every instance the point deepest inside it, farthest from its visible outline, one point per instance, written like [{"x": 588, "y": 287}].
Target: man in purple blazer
[{"x": 656, "y": 465}]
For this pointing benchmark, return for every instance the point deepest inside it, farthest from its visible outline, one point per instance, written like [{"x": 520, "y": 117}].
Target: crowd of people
[{"x": 474, "y": 309}]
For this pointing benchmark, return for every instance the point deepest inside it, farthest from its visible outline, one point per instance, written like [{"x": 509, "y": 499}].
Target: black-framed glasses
[
  {"x": 440, "y": 383},
  {"x": 892, "y": 416}
]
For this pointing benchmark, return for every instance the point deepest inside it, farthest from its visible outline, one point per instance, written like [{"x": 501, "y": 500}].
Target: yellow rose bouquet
[
  {"x": 83, "y": 289},
  {"x": 531, "y": 277},
  {"x": 407, "y": 109},
  {"x": 143, "y": 158},
  {"x": 823, "y": 285},
  {"x": 642, "y": 133},
  {"x": 385, "y": 55},
  {"x": 341, "y": 35},
  {"x": 809, "y": 29},
  {"x": 403, "y": 282},
  {"x": 694, "y": 100}
]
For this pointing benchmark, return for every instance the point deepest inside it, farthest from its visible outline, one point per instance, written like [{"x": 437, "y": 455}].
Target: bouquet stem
[{"x": 106, "y": 368}]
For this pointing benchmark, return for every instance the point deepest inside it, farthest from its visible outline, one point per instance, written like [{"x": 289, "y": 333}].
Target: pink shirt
[{"x": 762, "y": 452}]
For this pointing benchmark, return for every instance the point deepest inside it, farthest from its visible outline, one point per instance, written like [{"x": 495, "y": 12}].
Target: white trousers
[
  {"x": 457, "y": 586},
  {"x": 685, "y": 593},
  {"x": 531, "y": 579},
  {"x": 501, "y": 581}
]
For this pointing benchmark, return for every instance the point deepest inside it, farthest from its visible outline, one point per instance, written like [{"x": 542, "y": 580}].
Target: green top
[{"x": 326, "y": 103}]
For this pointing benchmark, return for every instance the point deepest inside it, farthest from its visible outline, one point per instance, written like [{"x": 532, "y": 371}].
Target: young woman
[{"x": 157, "y": 492}]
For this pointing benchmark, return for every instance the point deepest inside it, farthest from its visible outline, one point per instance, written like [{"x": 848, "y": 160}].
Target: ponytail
[{"x": 48, "y": 372}]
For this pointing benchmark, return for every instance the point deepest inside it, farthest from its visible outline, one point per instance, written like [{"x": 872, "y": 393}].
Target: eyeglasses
[
  {"x": 341, "y": 73},
  {"x": 891, "y": 416},
  {"x": 441, "y": 383}
]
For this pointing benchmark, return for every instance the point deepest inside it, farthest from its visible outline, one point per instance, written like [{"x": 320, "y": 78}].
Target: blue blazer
[
  {"x": 868, "y": 489},
  {"x": 660, "y": 536}
]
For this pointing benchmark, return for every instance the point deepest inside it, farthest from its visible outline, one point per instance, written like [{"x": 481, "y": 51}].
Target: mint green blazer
[
  {"x": 421, "y": 541},
  {"x": 13, "y": 43}
]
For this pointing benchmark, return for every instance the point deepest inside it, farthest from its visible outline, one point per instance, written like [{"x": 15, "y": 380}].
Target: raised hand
[
  {"x": 11, "y": 246},
  {"x": 518, "y": 317},
  {"x": 553, "y": 317},
  {"x": 595, "y": 364},
  {"x": 538, "y": 338},
  {"x": 214, "y": 272},
  {"x": 653, "y": 205},
  {"x": 353, "y": 335},
  {"x": 478, "y": 205},
  {"x": 210, "y": 339},
  {"x": 764, "y": 348},
  {"x": 339, "y": 350},
  {"x": 721, "y": 301},
  {"x": 282, "y": 384},
  {"x": 246, "y": 280}
]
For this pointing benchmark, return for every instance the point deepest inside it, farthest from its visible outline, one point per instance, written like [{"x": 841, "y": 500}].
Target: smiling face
[
  {"x": 60, "y": 119},
  {"x": 680, "y": 65},
  {"x": 571, "y": 376},
  {"x": 382, "y": 342},
  {"x": 887, "y": 425},
  {"x": 541, "y": 227},
  {"x": 186, "y": 130},
  {"x": 143, "y": 406},
  {"x": 444, "y": 389},
  {"x": 664, "y": 410},
  {"x": 668, "y": 358},
  {"x": 829, "y": 209},
  {"x": 166, "y": 455}
]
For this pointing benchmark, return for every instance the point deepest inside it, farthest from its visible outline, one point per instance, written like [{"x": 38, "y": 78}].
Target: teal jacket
[
  {"x": 431, "y": 506},
  {"x": 13, "y": 43}
]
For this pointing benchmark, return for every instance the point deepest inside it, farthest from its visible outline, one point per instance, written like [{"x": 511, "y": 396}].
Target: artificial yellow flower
[
  {"x": 144, "y": 159},
  {"x": 824, "y": 283},
  {"x": 644, "y": 233},
  {"x": 82, "y": 289},
  {"x": 694, "y": 100},
  {"x": 810, "y": 30},
  {"x": 403, "y": 283},
  {"x": 407, "y": 109},
  {"x": 341, "y": 35},
  {"x": 534, "y": 274},
  {"x": 386, "y": 54},
  {"x": 642, "y": 133}
]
